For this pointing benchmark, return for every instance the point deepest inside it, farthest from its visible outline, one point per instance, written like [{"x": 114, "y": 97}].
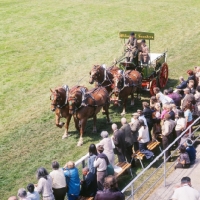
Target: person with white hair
[
  {"x": 12, "y": 198},
  {"x": 72, "y": 180},
  {"x": 119, "y": 142},
  {"x": 126, "y": 129},
  {"x": 22, "y": 194},
  {"x": 108, "y": 147},
  {"x": 183, "y": 83}
]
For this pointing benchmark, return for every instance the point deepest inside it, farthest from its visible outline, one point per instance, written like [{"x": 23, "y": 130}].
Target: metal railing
[{"x": 133, "y": 190}]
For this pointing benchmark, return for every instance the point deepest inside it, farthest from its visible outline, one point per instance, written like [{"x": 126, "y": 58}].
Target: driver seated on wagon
[
  {"x": 144, "y": 53},
  {"x": 131, "y": 47}
]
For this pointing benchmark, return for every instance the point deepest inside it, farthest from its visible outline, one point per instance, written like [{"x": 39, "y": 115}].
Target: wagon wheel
[
  {"x": 153, "y": 84},
  {"x": 163, "y": 75}
]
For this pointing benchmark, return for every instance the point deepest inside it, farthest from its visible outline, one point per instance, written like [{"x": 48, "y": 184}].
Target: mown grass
[{"x": 44, "y": 44}]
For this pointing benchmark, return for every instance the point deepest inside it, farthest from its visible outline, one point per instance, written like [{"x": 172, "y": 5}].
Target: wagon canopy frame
[{"x": 138, "y": 35}]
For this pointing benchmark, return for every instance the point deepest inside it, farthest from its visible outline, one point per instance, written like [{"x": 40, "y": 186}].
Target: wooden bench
[
  {"x": 151, "y": 146},
  {"x": 125, "y": 166}
]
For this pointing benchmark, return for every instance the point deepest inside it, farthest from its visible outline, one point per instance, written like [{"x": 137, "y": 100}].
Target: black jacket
[{"x": 89, "y": 186}]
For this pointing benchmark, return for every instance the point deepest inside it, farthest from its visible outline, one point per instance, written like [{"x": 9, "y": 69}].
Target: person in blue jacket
[
  {"x": 72, "y": 180},
  {"x": 190, "y": 150}
]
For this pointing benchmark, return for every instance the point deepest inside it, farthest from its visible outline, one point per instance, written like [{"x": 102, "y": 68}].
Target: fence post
[
  {"x": 83, "y": 165},
  {"x": 164, "y": 169},
  {"x": 132, "y": 190}
]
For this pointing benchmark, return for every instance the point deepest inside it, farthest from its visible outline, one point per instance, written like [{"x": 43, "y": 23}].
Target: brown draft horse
[
  {"x": 103, "y": 77},
  {"x": 86, "y": 106},
  {"x": 60, "y": 105},
  {"x": 126, "y": 84}
]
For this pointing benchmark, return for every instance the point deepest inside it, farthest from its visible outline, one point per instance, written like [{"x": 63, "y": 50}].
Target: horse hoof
[
  {"x": 61, "y": 124},
  {"x": 79, "y": 144},
  {"x": 66, "y": 136},
  {"x": 132, "y": 104},
  {"x": 123, "y": 113}
]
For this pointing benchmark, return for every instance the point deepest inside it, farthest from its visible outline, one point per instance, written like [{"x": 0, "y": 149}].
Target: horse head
[
  {"x": 74, "y": 99},
  {"x": 58, "y": 98},
  {"x": 118, "y": 82},
  {"x": 96, "y": 74}
]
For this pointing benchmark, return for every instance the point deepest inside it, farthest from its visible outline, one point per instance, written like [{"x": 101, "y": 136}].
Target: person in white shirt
[
  {"x": 59, "y": 181},
  {"x": 143, "y": 139},
  {"x": 180, "y": 125},
  {"x": 101, "y": 164},
  {"x": 185, "y": 191}
]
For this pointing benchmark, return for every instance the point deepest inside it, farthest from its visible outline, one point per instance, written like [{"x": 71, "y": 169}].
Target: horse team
[{"x": 112, "y": 84}]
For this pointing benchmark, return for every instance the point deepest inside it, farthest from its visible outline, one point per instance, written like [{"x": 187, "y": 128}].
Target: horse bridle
[
  {"x": 56, "y": 105},
  {"x": 105, "y": 78}
]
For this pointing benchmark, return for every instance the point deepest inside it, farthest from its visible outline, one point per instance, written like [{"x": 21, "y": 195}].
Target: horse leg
[
  {"x": 132, "y": 99},
  {"x": 58, "y": 123},
  {"x": 106, "y": 109},
  {"x": 94, "y": 124},
  {"x": 82, "y": 128},
  {"x": 65, "y": 135},
  {"x": 76, "y": 122},
  {"x": 124, "y": 106}
]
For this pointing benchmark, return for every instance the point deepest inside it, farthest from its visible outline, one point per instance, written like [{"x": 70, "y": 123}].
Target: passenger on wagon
[
  {"x": 144, "y": 55},
  {"x": 132, "y": 47}
]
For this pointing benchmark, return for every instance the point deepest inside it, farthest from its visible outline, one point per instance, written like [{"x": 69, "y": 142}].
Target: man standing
[
  {"x": 119, "y": 142},
  {"x": 72, "y": 180},
  {"x": 189, "y": 98},
  {"x": 89, "y": 185},
  {"x": 132, "y": 47},
  {"x": 185, "y": 191},
  {"x": 126, "y": 129},
  {"x": 167, "y": 129},
  {"x": 135, "y": 125}
]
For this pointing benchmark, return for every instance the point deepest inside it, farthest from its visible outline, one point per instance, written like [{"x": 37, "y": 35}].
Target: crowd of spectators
[{"x": 165, "y": 117}]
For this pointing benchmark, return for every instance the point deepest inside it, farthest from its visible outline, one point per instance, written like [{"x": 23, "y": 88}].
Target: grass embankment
[{"x": 45, "y": 44}]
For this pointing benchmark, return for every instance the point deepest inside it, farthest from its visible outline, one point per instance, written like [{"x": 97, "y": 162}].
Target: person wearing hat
[
  {"x": 72, "y": 180},
  {"x": 190, "y": 150},
  {"x": 119, "y": 142},
  {"x": 132, "y": 47},
  {"x": 144, "y": 54},
  {"x": 106, "y": 142},
  {"x": 101, "y": 163},
  {"x": 22, "y": 194},
  {"x": 135, "y": 125}
]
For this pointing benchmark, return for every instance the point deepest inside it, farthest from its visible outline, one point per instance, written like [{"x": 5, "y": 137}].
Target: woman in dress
[
  {"x": 108, "y": 147},
  {"x": 44, "y": 186}
]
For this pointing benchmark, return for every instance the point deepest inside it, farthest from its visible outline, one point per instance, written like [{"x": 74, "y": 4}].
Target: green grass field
[{"x": 45, "y": 44}]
